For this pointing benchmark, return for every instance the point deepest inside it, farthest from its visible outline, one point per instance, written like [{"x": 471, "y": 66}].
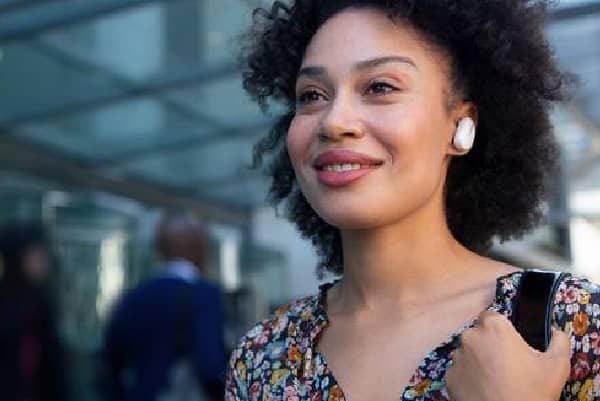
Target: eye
[
  {"x": 380, "y": 88},
  {"x": 309, "y": 96}
]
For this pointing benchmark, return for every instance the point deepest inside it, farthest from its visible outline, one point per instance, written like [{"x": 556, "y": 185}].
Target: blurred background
[{"x": 114, "y": 111}]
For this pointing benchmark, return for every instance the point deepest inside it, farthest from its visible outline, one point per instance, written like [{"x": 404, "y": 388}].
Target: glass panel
[
  {"x": 577, "y": 46},
  {"x": 186, "y": 167},
  {"x": 158, "y": 38},
  {"x": 114, "y": 130},
  {"x": 218, "y": 99},
  {"x": 130, "y": 43},
  {"x": 32, "y": 82},
  {"x": 576, "y": 224},
  {"x": 573, "y": 3},
  {"x": 224, "y": 21},
  {"x": 249, "y": 191}
]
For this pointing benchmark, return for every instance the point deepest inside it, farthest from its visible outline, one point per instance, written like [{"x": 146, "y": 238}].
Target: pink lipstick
[{"x": 337, "y": 168}]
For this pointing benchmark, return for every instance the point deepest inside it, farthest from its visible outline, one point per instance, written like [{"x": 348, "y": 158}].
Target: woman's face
[
  {"x": 372, "y": 132},
  {"x": 35, "y": 264}
]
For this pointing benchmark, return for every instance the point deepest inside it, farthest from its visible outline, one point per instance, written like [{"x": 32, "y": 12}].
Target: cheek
[
  {"x": 415, "y": 146},
  {"x": 298, "y": 140},
  {"x": 407, "y": 135}
]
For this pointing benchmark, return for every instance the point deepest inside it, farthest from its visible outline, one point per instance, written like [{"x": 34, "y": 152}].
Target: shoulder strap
[{"x": 532, "y": 310}]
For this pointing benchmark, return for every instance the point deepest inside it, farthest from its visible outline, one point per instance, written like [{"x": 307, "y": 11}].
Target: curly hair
[{"x": 499, "y": 59}]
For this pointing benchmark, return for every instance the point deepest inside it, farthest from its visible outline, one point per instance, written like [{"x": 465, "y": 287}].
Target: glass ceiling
[{"x": 147, "y": 91}]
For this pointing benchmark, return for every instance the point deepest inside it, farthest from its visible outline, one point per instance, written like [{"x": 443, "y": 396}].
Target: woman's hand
[{"x": 494, "y": 363}]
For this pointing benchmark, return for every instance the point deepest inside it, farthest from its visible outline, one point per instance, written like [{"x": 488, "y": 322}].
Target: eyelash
[
  {"x": 388, "y": 87},
  {"x": 304, "y": 97}
]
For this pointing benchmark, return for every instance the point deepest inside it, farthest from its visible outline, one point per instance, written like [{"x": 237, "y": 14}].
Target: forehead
[{"x": 357, "y": 34}]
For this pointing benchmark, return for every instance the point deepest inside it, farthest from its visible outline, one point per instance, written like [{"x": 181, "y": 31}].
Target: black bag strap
[{"x": 532, "y": 309}]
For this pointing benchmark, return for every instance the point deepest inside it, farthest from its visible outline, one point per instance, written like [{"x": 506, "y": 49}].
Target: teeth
[{"x": 343, "y": 167}]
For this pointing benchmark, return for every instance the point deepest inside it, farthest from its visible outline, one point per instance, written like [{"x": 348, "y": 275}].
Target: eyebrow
[
  {"x": 312, "y": 71},
  {"x": 316, "y": 71},
  {"x": 376, "y": 62}
]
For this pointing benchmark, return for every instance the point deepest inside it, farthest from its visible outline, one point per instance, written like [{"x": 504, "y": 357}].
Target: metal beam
[
  {"x": 81, "y": 64},
  {"x": 29, "y": 158},
  {"x": 572, "y": 12},
  {"x": 15, "y": 25},
  {"x": 21, "y": 25},
  {"x": 149, "y": 88},
  {"x": 12, "y": 5},
  {"x": 211, "y": 184},
  {"x": 184, "y": 144}
]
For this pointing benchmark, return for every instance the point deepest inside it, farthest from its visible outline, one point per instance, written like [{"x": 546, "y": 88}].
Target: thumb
[
  {"x": 559, "y": 354},
  {"x": 560, "y": 344}
]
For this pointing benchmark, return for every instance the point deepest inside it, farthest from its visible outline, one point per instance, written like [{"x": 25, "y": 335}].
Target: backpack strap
[{"x": 532, "y": 310}]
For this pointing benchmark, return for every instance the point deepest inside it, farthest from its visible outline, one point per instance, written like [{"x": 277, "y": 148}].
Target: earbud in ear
[{"x": 465, "y": 134}]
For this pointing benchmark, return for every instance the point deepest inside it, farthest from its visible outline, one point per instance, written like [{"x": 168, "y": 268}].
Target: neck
[{"x": 394, "y": 265}]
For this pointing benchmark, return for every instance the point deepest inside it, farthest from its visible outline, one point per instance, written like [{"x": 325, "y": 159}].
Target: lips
[
  {"x": 344, "y": 156},
  {"x": 338, "y": 168}
]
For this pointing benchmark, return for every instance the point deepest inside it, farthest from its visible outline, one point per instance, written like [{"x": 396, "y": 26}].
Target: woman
[
  {"x": 376, "y": 164},
  {"x": 31, "y": 361}
]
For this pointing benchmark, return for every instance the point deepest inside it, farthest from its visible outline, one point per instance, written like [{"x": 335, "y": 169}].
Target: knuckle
[
  {"x": 467, "y": 337},
  {"x": 470, "y": 339},
  {"x": 493, "y": 319}
]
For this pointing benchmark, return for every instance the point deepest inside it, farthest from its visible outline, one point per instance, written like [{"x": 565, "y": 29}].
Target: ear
[{"x": 460, "y": 111}]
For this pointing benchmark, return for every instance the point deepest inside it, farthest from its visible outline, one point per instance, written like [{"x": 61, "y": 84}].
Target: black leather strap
[{"x": 532, "y": 310}]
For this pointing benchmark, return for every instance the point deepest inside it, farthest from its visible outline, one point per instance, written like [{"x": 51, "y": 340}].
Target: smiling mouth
[
  {"x": 339, "y": 168},
  {"x": 343, "y": 174}
]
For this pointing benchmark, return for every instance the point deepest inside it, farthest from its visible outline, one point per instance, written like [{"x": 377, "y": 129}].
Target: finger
[
  {"x": 453, "y": 383},
  {"x": 492, "y": 319},
  {"x": 468, "y": 339},
  {"x": 455, "y": 356},
  {"x": 559, "y": 352},
  {"x": 449, "y": 376},
  {"x": 560, "y": 344}
]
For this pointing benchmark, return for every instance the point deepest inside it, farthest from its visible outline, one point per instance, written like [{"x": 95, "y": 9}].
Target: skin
[
  {"x": 382, "y": 90},
  {"x": 35, "y": 264},
  {"x": 182, "y": 238}
]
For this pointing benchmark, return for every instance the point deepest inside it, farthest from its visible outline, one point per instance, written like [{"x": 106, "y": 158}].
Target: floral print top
[{"x": 277, "y": 360}]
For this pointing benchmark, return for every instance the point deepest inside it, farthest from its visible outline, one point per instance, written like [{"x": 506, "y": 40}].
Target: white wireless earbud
[{"x": 465, "y": 134}]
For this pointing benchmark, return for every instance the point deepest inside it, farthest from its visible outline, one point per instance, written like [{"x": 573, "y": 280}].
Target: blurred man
[
  {"x": 165, "y": 339},
  {"x": 31, "y": 361}
]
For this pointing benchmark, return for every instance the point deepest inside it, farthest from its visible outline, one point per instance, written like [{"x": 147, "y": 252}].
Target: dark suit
[{"x": 142, "y": 333}]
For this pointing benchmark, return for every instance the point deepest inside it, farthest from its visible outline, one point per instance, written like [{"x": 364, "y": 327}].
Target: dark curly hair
[{"x": 499, "y": 59}]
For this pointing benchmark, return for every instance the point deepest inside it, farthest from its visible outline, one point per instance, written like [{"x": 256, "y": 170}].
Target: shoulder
[
  {"x": 267, "y": 343},
  {"x": 577, "y": 313},
  {"x": 208, "y": 288},
  {"x": 285, "y": 322},
  {"x": 577, "y": 305}
]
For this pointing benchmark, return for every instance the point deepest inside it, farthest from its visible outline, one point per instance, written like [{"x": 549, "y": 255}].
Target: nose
[{"x": 341, "y": 121}]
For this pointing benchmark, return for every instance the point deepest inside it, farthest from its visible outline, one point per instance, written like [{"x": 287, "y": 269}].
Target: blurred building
[{"x": 112, "y": 111}]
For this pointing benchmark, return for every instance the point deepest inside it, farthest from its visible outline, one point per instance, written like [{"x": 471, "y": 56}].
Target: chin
[{"x": 352, "y": 216}]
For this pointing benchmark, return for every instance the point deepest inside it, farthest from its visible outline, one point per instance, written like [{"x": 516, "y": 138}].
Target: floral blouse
[{"x": 277, "y": 360}]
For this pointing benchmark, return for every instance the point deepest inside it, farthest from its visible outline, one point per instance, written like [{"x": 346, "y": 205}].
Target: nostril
[{"x": 334, "y": 132}]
